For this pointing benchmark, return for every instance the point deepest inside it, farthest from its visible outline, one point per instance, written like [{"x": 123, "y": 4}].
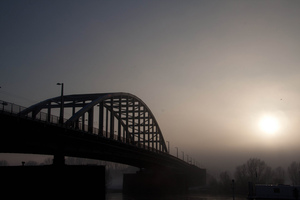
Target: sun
[{"x": 269, "y": 124}]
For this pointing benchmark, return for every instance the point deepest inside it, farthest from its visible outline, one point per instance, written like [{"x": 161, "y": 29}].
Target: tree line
[{"x": 256, "y": 171}]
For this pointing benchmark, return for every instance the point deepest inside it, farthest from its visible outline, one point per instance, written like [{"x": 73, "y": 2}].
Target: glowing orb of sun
[{"x": 269, "y": 124}]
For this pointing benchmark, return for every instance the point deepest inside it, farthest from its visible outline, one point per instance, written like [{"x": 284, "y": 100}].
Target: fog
[{"x": 208, "y": 70}]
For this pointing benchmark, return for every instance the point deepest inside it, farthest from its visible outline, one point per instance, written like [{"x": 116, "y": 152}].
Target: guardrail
[{"x": 10, "y": 107}]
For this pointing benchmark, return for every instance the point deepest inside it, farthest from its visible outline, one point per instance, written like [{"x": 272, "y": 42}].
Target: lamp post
[
  {"x": 168, "y": 147},
  {"x": 182, "y": 155},
  {"x": 61, "y": 114},
  {"x": 4, "y": 104},
  {"x": 233, "y": 196},
  {"x": 177, "y": 151}
]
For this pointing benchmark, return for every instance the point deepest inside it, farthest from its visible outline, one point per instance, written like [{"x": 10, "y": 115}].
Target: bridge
[{"x": 117, "y": 127}]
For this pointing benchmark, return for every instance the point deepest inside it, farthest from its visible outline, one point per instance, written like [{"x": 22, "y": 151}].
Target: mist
[{"x": 208, "y": 70}]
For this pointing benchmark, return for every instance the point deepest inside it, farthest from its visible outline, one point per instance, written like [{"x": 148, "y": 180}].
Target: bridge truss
[{"x": 119, "y": 116}]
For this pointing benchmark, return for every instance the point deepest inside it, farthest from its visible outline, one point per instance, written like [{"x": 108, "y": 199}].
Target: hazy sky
[{"x": 208, "y": 70}]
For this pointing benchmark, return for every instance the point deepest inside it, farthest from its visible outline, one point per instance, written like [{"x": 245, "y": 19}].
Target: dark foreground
[
  {"x": 120, "y": 196},
  {"x": 41, "y": 182}
]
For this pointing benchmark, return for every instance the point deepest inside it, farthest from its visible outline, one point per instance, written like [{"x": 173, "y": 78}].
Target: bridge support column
[
  {"x": 155, "y": 183},
  {"x": 59, "y": 160}
]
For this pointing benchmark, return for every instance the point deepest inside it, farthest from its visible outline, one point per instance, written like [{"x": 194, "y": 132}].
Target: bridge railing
[
  {"x": 10, "y": 107},
  {"x": 44, "y": 117}
]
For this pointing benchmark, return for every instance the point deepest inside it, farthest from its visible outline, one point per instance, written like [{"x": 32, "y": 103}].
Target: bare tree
[
  {"x": 241, "y": 178},
  {"x": 225, "y": 182},
  {"x": 212, "y": 183},
  {"x": 294, "y": 173},
  {"x": 258, "y": 171},
  {"x": 278, "y": 175},
  {"x": 255, "y": 171}
]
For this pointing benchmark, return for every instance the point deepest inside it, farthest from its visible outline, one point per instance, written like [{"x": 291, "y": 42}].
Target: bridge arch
[{"x": 118, "y": 116}]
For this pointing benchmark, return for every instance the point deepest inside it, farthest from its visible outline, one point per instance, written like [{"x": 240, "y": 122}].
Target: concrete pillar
[{"x": 59, "y": 159}]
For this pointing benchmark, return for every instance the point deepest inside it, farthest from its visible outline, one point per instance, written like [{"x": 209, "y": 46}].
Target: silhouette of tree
[
  {"x": 278, "y": 175},
  {"x": 255, "y": 171},
  {"x": 225, "y": 183},
  {"x": 212, "y": 183},
  {"x": 294, "y": 173},
  {"x": 258, "y": 171},
  {"x": 241, "y": 178}
]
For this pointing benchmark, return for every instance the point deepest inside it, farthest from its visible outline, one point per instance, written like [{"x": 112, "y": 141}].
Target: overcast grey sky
[{"x": 208, "y": 70}]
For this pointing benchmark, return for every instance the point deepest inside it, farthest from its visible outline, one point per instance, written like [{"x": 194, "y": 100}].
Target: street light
[
  {"x": 61, "y": 114},
  {"x": 4, "y": 104},
  {"x": 168, "y": 146}
]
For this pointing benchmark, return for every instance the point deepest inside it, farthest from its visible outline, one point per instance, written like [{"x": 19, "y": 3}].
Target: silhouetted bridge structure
[{"x": 117, "y": 127}]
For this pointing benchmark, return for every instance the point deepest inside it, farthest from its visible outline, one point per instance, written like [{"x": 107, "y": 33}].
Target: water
[{"x": 120, "y": 196}]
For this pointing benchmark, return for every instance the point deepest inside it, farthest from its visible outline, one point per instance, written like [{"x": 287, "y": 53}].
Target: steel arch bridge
[{"x": 119, "y": 116}]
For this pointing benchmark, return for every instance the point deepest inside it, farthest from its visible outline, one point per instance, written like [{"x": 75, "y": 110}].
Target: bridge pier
[
  {"x": 59, "y": 159},
  {"x": 154, "y": 183}
]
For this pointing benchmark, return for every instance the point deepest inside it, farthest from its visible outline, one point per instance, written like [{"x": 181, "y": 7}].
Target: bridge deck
[{"x": 39, "y": 136}]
